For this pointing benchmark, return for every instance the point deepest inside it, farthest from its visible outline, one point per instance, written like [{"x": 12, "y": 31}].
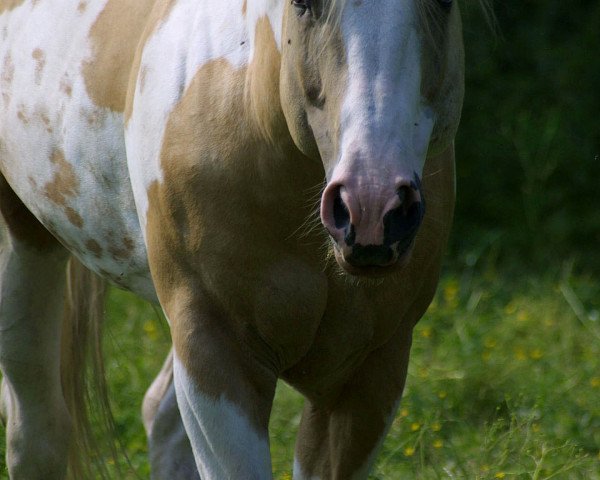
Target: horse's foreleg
[
  {"x": 32, "y": 285},
  {"x": 340, "y": 441},
  {"x": 225, "y": 391},
  {"x": 171, "y": 456}
]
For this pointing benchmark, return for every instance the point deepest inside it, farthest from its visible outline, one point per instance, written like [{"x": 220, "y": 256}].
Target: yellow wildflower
[
  {"x": 426, "y": 332},
  {"x": 441, "y": 394},
  {"x": 536, "y": 354},
  {"x": 522, "y": 316},
  {"x": 404, "y": 412},
  {"x": 150, "y": 329},
  {"x": 436, "y": 427},
  {"x": 409, "y": 451},
  {"x": 437, "y": 443},
  {"x": 510, "y": 308},
  {"x": 450, "y": 293},
  {"x": 415, "y": 426},
  {"x": 500, "y": 475},
  {"x": 595, "y": 382},
  {"x": 520, "y": 354}
]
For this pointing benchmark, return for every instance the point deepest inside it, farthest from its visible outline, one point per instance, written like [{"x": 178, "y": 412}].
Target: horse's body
[{"x": 171, "y": 145}]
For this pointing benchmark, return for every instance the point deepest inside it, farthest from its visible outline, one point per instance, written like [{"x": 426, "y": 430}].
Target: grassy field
[{"x": 504, "y": 382}]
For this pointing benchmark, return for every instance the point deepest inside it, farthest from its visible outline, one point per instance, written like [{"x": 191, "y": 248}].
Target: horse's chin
[{"x": 373, "y": 271}]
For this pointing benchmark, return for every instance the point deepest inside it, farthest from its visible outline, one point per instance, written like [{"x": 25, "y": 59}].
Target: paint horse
[{"x": 173, "y": 147}]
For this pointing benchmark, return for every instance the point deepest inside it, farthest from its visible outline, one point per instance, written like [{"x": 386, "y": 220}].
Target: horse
[{"x": 174, "y": 148}]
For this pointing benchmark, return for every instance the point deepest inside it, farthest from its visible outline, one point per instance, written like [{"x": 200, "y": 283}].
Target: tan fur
[
  {"x": 6, "y": 5},
  {"x": 107, "y": 74},
  {"x": 40, "y": 62},
  {"x": 8, "y": 72},
  {"x": 157, "y": 11},
  {"x": 184, "y": 267},
  {"x": 64, "y": 185}
]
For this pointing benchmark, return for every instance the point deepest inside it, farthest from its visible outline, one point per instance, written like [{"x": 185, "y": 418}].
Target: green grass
[{"x": 504, "y": 382}]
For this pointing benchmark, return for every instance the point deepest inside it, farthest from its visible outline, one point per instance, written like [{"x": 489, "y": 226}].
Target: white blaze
[{"x": 384, "y": 116}]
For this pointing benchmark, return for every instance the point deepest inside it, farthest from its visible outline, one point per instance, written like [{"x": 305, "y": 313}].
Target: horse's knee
[{"x": 37, "y": 437}]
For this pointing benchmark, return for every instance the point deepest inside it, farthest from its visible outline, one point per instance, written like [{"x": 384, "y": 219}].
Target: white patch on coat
[
  {"x": 384, "y": 117},
  {"x": 225, "y": 443}
]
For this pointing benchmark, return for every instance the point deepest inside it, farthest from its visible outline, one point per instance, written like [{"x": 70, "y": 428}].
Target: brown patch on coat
[
  {"x": 21, "y": 222},
  {"x": 8, "y": 70},
  {"x": 63, "y": 186},
  {"x": 40, "y": 62},
  {"x": 114, "y": 38},
  {"x": 94, "y": 247},
  {"x": 123, "y": 251},
  {"x": 22, "y": 115},
  {"x": 244, "y": 7},
  {"x": 46, "y": 121},
  {"x": 6, "y": 5},
  {"x": 82, "y": 7},
  {"x": 93, "y": 116},
  {"x": 6, "y": 79},
  {"x": 157, "y": 15},
  {"x": 66, "y": 86}
]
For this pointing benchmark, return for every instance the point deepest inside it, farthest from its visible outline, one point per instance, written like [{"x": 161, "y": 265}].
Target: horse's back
[{"x": 64, "y": 71}]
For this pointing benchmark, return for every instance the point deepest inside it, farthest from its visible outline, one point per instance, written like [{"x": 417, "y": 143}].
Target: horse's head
[{"x": 371, "y": 87}]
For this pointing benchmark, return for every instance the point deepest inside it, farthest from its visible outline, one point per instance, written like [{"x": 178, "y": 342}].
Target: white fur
[
  {"x": 225, "y": 443},
  {"x": 384, "y": 119}
]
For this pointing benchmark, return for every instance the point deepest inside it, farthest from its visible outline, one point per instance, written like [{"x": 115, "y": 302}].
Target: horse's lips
[{"x": 373, "y": 271}]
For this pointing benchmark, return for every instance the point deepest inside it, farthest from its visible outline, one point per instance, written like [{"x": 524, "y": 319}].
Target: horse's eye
[
  {"x": 445, "y": 4},
  {"x": 302, "y": 6}
]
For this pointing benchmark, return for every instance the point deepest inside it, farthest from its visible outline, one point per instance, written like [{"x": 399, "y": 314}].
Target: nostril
[
  {"x": 404, "y": 196},
  {"x": 401, "y": 223},
  {"x": 341, "y": 215}
]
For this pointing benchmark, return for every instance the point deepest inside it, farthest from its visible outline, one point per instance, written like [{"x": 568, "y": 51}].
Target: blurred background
[{"x": 528, "y": 150}]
